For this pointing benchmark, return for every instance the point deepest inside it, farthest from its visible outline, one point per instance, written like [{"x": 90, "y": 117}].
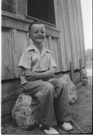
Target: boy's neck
[{"x": 39, "y": 46}]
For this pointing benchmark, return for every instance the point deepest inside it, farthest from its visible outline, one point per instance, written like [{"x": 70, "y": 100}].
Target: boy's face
[{"x": 38, "y": 33}]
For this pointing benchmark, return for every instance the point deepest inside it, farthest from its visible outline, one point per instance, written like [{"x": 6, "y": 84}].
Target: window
[
  {"x": 41, "y": 9},
  {"x": 8, "y": 5}
]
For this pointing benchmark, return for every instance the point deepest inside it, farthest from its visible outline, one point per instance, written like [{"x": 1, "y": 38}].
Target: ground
[{"x": 81, "y": 113}]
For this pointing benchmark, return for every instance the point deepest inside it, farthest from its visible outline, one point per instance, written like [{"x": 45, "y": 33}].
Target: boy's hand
[{"x": 54, "y": 82}]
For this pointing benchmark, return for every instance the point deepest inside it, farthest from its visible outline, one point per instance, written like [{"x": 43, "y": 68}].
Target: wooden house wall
[
  {"x": 65, "y": 40},
  {"x": 69, "y": 21},
  {"x": 67, "y": 45}
]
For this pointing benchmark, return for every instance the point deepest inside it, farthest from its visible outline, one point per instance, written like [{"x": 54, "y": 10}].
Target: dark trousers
[{"x": 52, "y": 98}]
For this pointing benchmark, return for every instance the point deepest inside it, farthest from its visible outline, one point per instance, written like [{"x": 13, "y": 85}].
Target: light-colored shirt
[{"x": 32, "y": 60}]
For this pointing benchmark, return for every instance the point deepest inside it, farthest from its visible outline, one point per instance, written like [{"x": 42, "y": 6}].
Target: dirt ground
[
  {"x": 81, "y": 113},
  {"x": 82, "y": 110}
]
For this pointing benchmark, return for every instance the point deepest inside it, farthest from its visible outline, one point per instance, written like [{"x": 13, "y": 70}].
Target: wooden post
[
  {"x": 72, "y": 71},
  {"x": 81, "y": 72}
]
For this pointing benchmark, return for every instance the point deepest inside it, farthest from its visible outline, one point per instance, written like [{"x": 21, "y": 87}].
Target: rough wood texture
[
  {"x": 81, "y": 32},
  {"x": 8, "y": 5},
  {"x": 68, "y": 19},
  {"x": 66, "y": 36},
  {"x": 72, "y": 33},
  {"x": 20, "y": 44},
  {"x": 59, "y": 23},
  {"x": 64, "y": 19},
  {"x": 14, "y": 43},
  {"x": 21, "y": 23},
  {"x": 20, "y": 7},
  {"x": 7, "y": 55},
  {"x": 72, "y": 71},
  {"x": 6, "y": 119}
]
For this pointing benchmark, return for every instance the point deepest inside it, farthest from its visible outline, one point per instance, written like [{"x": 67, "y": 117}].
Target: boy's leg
[
  {"x": 62, "y": 110},
  {"x": 43, "y": 92}
]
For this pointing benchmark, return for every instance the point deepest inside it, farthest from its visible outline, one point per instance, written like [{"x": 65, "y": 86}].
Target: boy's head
[{"x": 37, "y": 32}]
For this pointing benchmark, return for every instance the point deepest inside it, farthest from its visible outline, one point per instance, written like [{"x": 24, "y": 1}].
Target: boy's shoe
[
  {"x": 49, "y": 130},
  {"x": 67, "y": 126}
]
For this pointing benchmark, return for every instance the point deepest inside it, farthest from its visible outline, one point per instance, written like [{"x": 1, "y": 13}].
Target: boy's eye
[
  {"x": 36, "y": 32},
  {"x": 42, "y": 32}
]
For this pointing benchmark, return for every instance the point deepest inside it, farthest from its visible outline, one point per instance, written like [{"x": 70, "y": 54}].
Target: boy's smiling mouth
[{"x": 40, "y": 37}]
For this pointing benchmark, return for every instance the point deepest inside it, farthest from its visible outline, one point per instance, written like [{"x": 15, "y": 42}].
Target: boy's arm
[{"x": 32, "y": 76}]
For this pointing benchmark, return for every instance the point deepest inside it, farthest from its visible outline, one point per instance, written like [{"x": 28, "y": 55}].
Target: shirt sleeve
[
  {"x": 25, "y": 60},
  {"x": 52, "y": 62}
]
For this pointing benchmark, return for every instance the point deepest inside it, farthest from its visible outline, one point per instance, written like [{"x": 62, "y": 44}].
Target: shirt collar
[{"x": 33, "y": 47}]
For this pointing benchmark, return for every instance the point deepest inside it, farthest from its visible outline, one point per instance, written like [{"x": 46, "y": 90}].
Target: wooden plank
[
  {"x": 25, "y": 8},
  {"x": 20, "y": 7},
  {"x": 7, "y": 107},
  {"x": 11, "y": 94},
  {"x": 77, "y": 38},
  {"x": 16, "y": 23},
  {"x": 58, "y": 16},
  {"x": 8, "y": 5},
  {"x": 8, "y": 86},
  {"x": 72, "y": 34},
  {"x": 55, "y": 53},
  {"x": 52, "y": 33},
  {"x": 81, "y": 31},
  {"x": 81, "y": 72},
  {"x": 7, "y": 55},
  {"x": 66, "y": 32},
  {"x": 59, "y": 55},
  {"x": 50, "y": 43},
  {"x": 72, "y": 71},
  {"x": 20, "y": 44},
  {"x": 20, "y": 23},
  {"x": 46, "y": 43},
  {"x": 6, "y": 119},
  {"x": 13, "y": 44},
  {"x": 52, "y": 46}
]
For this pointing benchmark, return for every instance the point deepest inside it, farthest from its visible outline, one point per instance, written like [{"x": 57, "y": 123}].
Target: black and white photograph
[{"x": 46, "y": 67}]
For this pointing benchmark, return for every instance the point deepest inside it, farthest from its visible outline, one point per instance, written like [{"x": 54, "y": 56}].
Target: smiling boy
[{"x": 37, "y": 77}]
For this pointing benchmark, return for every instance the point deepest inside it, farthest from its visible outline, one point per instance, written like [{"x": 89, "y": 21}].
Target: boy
[{"x": 38, "y": 69}]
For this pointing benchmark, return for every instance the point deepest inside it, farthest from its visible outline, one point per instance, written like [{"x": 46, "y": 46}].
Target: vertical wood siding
[
  {"x": 13, "y": 44},
  {"x": 7, "y": 55},
  {"x": 72, "y": 34},
  {"x": 20, "y": 44},
  {"x": 81, "y": 33},
  {"x": 69, "y": 21},
  {"x": 21, "y": 7},
  {"x": 59, "y": 24},
  {"x": 69, "y": 47},
  {"x": 66, "y": 32}
]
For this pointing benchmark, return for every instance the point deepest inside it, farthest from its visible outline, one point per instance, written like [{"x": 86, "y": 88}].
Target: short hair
[{"x": 32, "y": 23}]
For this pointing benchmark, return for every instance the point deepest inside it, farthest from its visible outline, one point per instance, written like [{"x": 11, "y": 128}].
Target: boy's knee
[
  {"x": 62, "y": 82},
  {"x": 65, "y": 78},
  {"x": 49, "y": 87}
]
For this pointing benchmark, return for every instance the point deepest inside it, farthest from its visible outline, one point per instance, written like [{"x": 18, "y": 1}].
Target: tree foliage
[{"x": 89, "y": 54}]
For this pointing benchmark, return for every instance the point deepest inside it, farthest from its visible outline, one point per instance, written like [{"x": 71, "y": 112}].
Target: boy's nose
[{"x": 40, "y": 33}]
